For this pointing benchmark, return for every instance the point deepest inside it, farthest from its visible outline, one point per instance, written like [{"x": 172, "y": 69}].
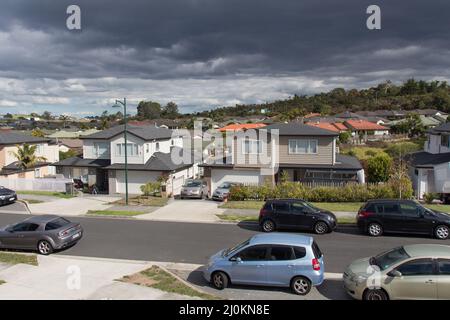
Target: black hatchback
[
  {"x": 402, "y": 216},
  {"x": 295, "y": 214}
]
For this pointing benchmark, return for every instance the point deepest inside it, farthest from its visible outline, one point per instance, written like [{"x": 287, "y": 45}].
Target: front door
[
  {"x": 252, "y": 267},
  {"x": 418, "y": 280}
]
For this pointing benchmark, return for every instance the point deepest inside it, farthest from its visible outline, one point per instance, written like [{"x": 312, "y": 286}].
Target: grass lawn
[
  {"x": 249, "y": 204},
  {"x": 47, "y": 193},
  {"x": 15, "y": 258},
  {"x": 439, "y": 207},
  {"x": 157, "y": 278},
  {"x": 144, "y": 201},
  {"x": 33, "y": 201},
  {"x": 332, "y": 206},
  {"x": 363, "y": 152},
  {"x": 115, "y": 213}
]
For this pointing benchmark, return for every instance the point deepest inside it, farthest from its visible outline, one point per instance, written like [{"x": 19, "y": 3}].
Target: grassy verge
[
  {"x": 249, "y": 204},
  {"x": 47, "y": 193},
  {"x": 33, "y": 201},
  {"x": 144, "y": 201},
  {"x": 439, "y": 207},
  {"x": 332, "y": 206},
  {"x": 115, "y": 213},
  {"x": 157, "y": 278},
  {"x": 15, "y": 258}
]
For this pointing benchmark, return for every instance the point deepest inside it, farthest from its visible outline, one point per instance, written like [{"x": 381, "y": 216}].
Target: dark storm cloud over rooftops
[{"x": 324, "y": 41}]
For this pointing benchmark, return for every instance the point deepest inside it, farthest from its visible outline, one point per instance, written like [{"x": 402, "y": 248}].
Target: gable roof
[
  {"x": 143, "y": 132},
  {"x": 244, "y": 126},
  {"x": 425, "y": 159},
  {"x": 364, "y": 125},
  {"x": 324, "y": 125},
  {"x": 299, "y": 129},
  {"x": 11, "y": 137},
  {"x": 445, "y": 127}
]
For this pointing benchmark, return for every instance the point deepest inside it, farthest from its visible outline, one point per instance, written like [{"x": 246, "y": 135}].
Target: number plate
[{"x": 76, "y": 235}]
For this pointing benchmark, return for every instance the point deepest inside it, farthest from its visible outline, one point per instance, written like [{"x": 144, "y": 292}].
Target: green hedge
[{"x": 348, "y": 193}]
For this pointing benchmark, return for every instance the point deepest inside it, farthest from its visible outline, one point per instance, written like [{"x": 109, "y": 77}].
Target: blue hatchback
[{"x": 276, "y": 259}]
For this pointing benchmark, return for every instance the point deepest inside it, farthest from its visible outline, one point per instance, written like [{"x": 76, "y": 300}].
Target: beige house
[{"x": 10, "y": 142}]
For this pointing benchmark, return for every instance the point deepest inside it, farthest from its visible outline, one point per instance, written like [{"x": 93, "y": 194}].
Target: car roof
[
  {"x": 43, "y": 218},
  {"x": 390, "y": 200},
  {"x": 428, "y": 250},
  {"x": 287, "y": 199},
  {"x": 281, "y": 238}
]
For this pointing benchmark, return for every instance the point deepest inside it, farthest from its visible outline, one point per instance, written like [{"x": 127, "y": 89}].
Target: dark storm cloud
[{"x": 324, "y": 43}]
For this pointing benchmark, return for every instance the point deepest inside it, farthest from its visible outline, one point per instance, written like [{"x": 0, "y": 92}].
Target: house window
[
  {"x": 445, "y": 141},
  {"x": 100, "y": 149},
  {"x": 157, "y": 146},
  {"x": 251, "y": 146},
  {"x": 39, "y": 148},
  {"x": 37, "y": 173},
  {"x": 302, "y": 146},
  {"x": 132, "y": 149}
]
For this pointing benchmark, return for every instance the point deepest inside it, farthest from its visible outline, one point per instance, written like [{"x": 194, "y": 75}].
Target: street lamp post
[{"x": 123, "y": 104}]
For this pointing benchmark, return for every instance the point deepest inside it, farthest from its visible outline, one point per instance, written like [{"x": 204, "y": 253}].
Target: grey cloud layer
[{"x": 166, "y": 49}]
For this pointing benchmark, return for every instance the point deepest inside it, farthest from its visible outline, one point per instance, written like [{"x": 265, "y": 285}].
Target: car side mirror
[
  {"x": 236, "y": 259},
  {"x": 10, "y": 230},
  {"x": 394, "y": 274}
]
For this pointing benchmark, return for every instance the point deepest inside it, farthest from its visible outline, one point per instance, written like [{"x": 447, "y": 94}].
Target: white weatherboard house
[
  {"x": 430, "y": 169},
  {"x": 306, "y": 153},
  {"x": 149, "y": 157}
]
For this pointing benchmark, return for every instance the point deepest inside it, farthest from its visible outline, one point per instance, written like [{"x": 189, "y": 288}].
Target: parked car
[
  {"x": 44, "y": 233},
  {"x": 283, "y": 260},
  {"x": 402, "y": 216},
  {"x": 194, "y": 189},
  {"x": 295, "y": 214},
  {"x": 410, "y": 272},
  {"x": 223, "y": 191},
  {"x": 7, "y": 196}
]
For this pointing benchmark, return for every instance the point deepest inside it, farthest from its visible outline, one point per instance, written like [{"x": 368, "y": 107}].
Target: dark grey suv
[{"x": 44, "y": 233}]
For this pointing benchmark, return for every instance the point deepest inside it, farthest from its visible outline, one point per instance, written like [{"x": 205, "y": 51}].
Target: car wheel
[
  {"x": 375, "y": 229},
  {"x": 301, "y": 285},
  {"x": 321, "y": 227},
  {"x": 45, "y": 247},
  {"x": 375, "y": 294},
  {"x": 219, "y": 280},
  {"x": 268, "y": 225},
  {"x": 441, "y": 232}
]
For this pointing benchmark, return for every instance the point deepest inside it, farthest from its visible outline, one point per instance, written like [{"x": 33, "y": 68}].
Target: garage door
[
  {"x": 177, "y": 184},
  {"x": 135, "y": 180},
  {"x": 240, "y": 176}
]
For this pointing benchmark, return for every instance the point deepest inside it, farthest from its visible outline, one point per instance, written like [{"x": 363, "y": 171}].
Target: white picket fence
[{"x": 57, "y": 185}]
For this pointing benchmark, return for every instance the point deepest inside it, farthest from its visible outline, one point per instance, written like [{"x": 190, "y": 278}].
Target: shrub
[
  {"x": 371, "y": 153},
  {"x": 151, "y": 188},
  {"x": 344, "y": 137},
  {"x": 378, "y": 168},
  {"x": 429, "y": 197}
]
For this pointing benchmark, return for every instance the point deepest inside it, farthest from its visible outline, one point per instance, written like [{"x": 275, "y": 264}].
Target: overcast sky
[{"x": 208, "y": 53}]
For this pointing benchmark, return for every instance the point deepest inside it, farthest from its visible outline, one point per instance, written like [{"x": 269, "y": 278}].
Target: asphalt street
[{"x": 195, "y": 242}]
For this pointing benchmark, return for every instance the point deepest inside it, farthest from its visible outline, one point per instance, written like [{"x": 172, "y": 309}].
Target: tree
[
  {"x": 47, "y": 115},
  {"x": 148, "y": 110},
  {"x": 379, "y": 168},
  {"x": 170, "y": 110},
  {"x": 8, "y": 116},
  {"x": 68, "y": 154},
  {"x": 415, "y": 125},
  {"x": 344, "y": 137},
  {"x": 399, "y": 179},
  {"x": 38, "y": 133},
  {"x": 26, "y": 155}
]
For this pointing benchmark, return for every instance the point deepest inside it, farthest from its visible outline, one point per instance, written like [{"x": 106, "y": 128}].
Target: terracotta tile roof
[
  {"x": 340, "y": 126},
  {"x": 364, "y": 125},
  {"x": 312, "y": 114},
  {"x": 244, "y": 126},
  {"x": 324, "y": 125}
]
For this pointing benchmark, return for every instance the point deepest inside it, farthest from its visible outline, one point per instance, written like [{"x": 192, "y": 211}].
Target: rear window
[
  {"x": 300, "y": 252},
  {"x": 281, "y": 253},
  {"x": 56, "y": 224},
  {"x": 281, "y": 206},
  {"x": 317, "y": 253},
  {"x": 370, "y": 207},
  {"x": 268, "y": 206}
]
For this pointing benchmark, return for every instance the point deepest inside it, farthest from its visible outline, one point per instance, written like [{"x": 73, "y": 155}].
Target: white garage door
[
  {"x": 177, "y": 184},
  {"x": 218, "y": 176},
  {"x": 135, "y": 180}
]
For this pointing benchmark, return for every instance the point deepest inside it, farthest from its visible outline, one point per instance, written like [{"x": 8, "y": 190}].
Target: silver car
[
  {"x": 194, "y": 189},
  {"x": 44, "y": 233},
  {"x": 223, "y": 191},
  {"x": 409, "y": 272}
]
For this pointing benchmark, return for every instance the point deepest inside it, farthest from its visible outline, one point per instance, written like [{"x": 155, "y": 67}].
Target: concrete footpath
[{"x": 62, "y": 278}]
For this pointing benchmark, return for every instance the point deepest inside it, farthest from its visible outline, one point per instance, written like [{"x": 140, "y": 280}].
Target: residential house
[
  {"x": 10, "y": 141},
  {"x": 306, "y": 153},
  {"x": 149, "y": 151},
  {"x": 365, "y": 130},
  {"x": 244, "y": 126},
  {"x": 430, "y": 168},
  {"x": 70, "y": 144}
]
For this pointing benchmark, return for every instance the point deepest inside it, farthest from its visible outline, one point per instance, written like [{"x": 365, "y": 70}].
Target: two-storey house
[
  {"x": 430, "y": 168},
  {"x": 149, "y": 156},
  {"x": 306, "y": 153},
  {"x": 10, "y": 166}
]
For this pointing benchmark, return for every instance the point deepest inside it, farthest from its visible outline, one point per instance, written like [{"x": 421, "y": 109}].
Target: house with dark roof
[
  {"x": 430, "y": 168},
  {"x": 10, "y": 167},
  {"x": 306, "y": 153},
  {"x": 152, "y": 152}
]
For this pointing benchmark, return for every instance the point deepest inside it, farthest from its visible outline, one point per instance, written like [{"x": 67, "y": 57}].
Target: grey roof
[
  {"x": 11, "y": 137},
  {"x": 445, "y": 127},
  {"x": 143, "y": 132},
  {"x": 80, "y": 162},
  {"x": 425, "y": 159},
  {"x": 299, "y": 129},
  {"x": 158, "y": 162},
  {"x": 16, "y": 165}
]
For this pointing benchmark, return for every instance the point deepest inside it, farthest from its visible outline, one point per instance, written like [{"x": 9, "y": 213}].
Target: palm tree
[{"x": 26, "y": 155}]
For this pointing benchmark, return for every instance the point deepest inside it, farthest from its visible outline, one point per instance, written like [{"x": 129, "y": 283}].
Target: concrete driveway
[{"x": 188, "y": 210}]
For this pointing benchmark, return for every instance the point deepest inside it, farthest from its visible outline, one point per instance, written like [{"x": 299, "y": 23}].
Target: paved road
[{"x": 195, "y": 242}]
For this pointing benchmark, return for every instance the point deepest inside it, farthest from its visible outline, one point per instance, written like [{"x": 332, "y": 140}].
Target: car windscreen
[
  {"x": 310, "y": 206},
  {"x": 389, "y": 258},
  {"x": 193, "y": 184},
  {"x": 235, "y": 248},
  {"x": 56, "y": 224},
  {"x": 225, "y": 185}
]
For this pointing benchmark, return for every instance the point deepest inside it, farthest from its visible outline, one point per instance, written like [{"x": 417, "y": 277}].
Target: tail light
[
  {"x": 63, "y": 233},
  {"x": 262, "y": 212},
  {"x": 364, "y": 214},
  {"x": 315, "y": 264}
]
